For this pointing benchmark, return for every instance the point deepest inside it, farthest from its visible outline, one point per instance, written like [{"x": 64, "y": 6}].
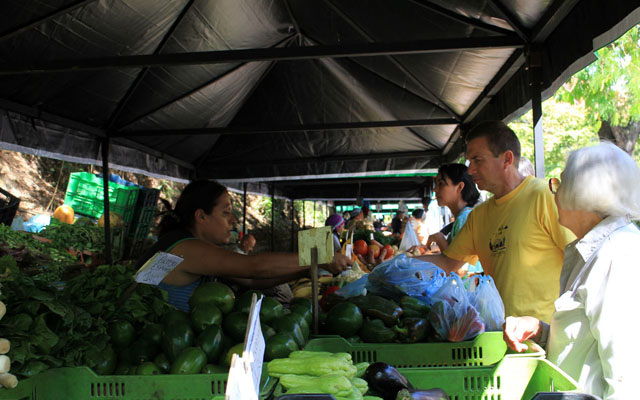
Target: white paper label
[
  {"x": 255, "y": 345},
  {"x": 348, "y": 250},
  {"x": 157, "y": 267},
  {"x": 245, "y": 372}
]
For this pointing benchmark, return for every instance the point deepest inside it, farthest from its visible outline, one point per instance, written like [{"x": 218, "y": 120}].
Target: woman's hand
[
  {"x": 340, "y": 263},
  {"x": 519, "y": 329},
  {"x": 370, "y": 261}
]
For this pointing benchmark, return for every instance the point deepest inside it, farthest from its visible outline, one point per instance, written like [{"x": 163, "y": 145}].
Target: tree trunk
[{"x": 624, "y": 137}]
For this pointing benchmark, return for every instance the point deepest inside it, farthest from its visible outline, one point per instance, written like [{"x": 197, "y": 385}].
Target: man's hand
[
  {"x": 340, "y": 263},
  {"x": 519, "y": 329}
]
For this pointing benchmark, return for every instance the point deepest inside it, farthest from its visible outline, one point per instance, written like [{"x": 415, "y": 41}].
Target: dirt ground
[{"x": 41, "y": 184}]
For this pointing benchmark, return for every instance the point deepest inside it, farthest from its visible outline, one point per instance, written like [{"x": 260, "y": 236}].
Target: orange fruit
[{"x": 64, "y": 213}]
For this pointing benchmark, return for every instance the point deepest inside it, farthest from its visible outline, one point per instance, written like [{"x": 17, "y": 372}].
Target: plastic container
[
  {"x": 85, "y": 194},
  {"x": 564, "y": 396},
  {"x": 145, "y": 211},
  {"x": 486, "y": 349},
  {"x": 83, "y": 383},
  {"x": 8, "y": 207},
  {"x": 511, "y": 379}
]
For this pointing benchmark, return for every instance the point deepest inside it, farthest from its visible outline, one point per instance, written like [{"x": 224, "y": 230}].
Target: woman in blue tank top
[
  {"x": 455, "y": 189},
  {"x": 196, "y": 228}
]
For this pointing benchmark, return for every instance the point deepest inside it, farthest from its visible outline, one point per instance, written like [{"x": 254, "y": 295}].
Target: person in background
[
  {"x": 592, "y": 334},
  {"x": 526, "y": 168},
  {"x": 197, "y": 228},
  {"x": 515, "y": 234},
  {"x": 346, "y": 215},
  {"x": 336, "y": 222},
  {"x": 455, "y": 190},
  {"x": 356, "y": 216},
  {"x": 418, "y": 223},
  {"x": 247, "y": 243},
  {"x": 396, "y": 224}
]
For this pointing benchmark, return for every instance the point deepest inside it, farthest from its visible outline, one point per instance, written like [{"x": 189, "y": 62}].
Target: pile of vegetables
[
  {"x": 387, "y": 382},
  {"x": 7, "y": 379},
  {"x": 56, "y": 250},
  {"x": 311, "y": 372},
  {"x": 374, "y": 319},
  {"x": 205, "y": 339},
  {"x": 50, "y": 328},
  {"x": 321, "y": 372}
]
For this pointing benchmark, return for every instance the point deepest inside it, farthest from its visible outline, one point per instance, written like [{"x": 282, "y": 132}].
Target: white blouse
[{"x": 595, "y": 331}]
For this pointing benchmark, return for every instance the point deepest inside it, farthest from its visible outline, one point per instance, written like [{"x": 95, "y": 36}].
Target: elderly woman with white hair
[{"x": 593, "y": 333}]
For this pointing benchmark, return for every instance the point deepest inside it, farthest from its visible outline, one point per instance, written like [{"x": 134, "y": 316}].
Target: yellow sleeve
[
  {"x": 560, "y": 235},
  {"x": 462, "y": 247}
]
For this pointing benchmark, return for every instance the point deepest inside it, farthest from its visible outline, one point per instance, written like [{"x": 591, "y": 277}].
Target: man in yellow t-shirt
[{"x": 515, "y": 234}]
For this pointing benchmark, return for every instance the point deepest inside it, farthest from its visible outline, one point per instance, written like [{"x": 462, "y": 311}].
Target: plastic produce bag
[
  {"x": 353, "y": 289},
  {"x": 452, "y": 316},
  {"x": 405, "y": 276},
  {"x": 485, "y": 298},
  {"x": 409, "y": 238}
]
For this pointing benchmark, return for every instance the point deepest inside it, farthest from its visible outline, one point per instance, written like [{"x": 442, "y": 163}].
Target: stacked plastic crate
[
  {"x": 85, "y": 194},
  {"x": 143, "y": 215}
]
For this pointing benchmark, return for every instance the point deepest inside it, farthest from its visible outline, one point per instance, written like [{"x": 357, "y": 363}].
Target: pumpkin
[
  {"x": 64, "y": 213},
  {"x": 115, "y": 220}
]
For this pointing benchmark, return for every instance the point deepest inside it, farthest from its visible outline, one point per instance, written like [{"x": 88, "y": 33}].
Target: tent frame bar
[
  {"x": 248, "y": 130},
  {"x": 270, "y": 54}
]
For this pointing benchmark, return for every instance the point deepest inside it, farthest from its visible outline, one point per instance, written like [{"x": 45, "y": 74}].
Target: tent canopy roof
[{"x": 289, "y": 91}]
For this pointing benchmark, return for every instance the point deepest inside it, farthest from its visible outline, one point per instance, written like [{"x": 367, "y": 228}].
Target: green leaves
[{"x": 59, "y": 328}]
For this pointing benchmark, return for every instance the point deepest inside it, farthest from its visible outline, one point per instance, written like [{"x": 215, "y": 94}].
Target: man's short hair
[{"x": 500, "y": 138}]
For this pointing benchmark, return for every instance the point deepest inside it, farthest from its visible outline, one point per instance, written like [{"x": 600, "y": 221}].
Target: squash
[
  {"x": 64, "y": 213},
  {"x": 115, "y": 220}
]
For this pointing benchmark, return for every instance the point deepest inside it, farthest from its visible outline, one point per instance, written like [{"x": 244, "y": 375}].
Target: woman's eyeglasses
[{"x": 554, "y": 184}]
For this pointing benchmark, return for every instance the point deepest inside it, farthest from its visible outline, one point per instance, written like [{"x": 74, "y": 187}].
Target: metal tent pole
[
  {"x": 244, "y": 209},
  {"x": 106, "y": 216},
  {"x": 534, "y": 66},
  {"x": 293, "y": 220},
  {"x": 273, "y": 216}
]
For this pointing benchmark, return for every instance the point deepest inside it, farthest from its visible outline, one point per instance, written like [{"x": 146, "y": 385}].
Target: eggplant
[
  {"x": 421, "y": 394},
  {"x": 385, "y": 380}
]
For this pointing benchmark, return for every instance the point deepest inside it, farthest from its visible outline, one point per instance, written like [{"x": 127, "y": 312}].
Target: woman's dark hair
[
  {"x": 458, "y": 173},
  {"x": 201, "y": 194},
  {"x": 418, "y": 213}
]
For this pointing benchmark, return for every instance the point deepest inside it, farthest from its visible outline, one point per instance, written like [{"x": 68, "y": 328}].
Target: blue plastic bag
[
  {"x": 485, "y": 298},
  {"x": 402, "y": 276},
  {"x": 353, "y": 289}
]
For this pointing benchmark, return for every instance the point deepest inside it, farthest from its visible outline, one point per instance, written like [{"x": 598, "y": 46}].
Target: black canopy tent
[{"x": 284, "y": 91}]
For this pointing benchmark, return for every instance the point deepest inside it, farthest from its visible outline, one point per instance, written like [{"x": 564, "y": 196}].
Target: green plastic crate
[
  {"x": 486, "y": 349},
  {"x": 82, "y": 383},
  {"x": 85, "y": 194},
  {"x": 511, "y": 379}
]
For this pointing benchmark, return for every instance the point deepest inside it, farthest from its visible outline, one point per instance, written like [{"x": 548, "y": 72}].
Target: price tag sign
[
  {"x": 254, "y": 344},
  {"x": 245, "y": 372},
  {"x": 348, "y": 251},
  {"x": 157, "y": 267},
  {"x": 319, "y": 238},
  {"x": 240, "y": 384}
]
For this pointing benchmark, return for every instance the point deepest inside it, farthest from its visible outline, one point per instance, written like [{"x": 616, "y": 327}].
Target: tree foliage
[
  {"x": 566, "y": 127},
  {"x": 610, "y": 90},
  {"x": 599, "y": 102},
  {"x": 610, "y": 86}
]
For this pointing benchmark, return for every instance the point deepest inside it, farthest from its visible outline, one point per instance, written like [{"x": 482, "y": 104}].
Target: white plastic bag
[
  {"x": 409, "y": 238},
  {"x": 485, "y": 298}
]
